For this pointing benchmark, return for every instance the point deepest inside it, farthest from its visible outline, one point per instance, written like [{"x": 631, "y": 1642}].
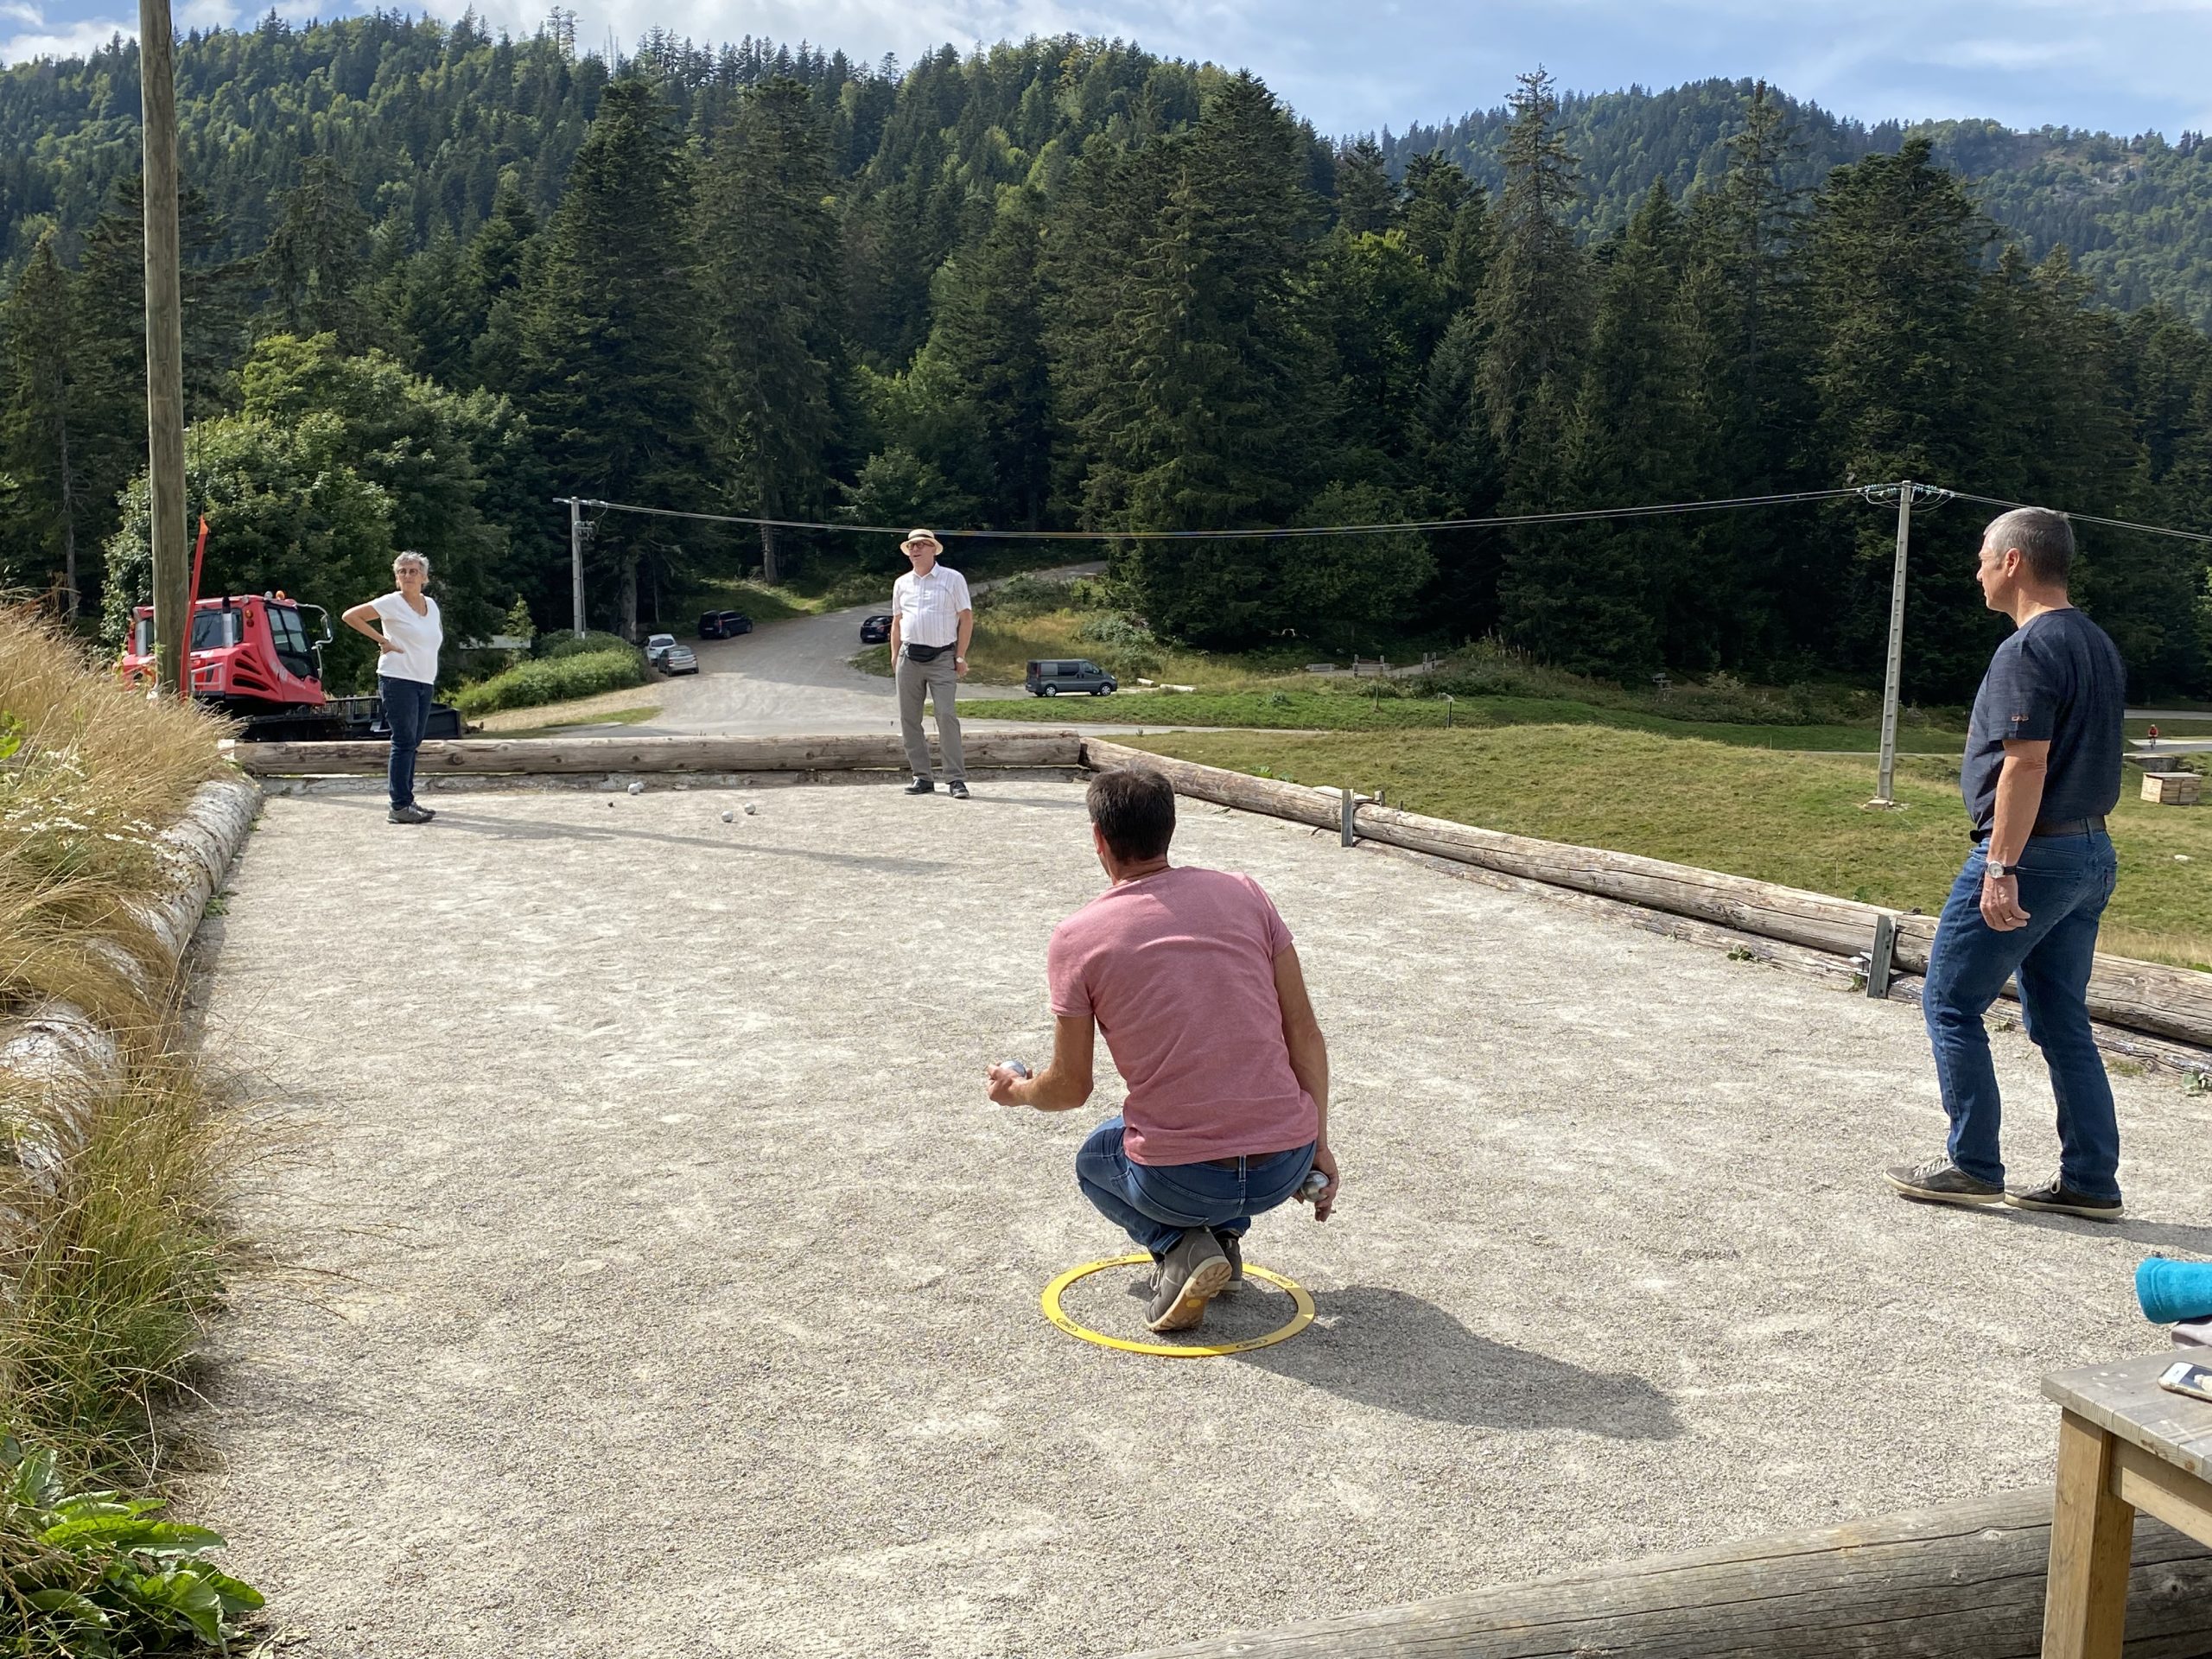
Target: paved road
[{"x": 795, "y": 676}]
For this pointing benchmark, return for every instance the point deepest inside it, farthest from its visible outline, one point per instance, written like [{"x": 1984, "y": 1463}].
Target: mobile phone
[{"x": 2195, "y": 1380}]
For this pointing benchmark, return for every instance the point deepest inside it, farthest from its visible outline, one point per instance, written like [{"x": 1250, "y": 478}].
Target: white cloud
[{"x": 74, "y": 40}]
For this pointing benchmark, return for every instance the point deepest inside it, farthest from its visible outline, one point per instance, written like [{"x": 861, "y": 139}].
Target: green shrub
[
  {"x": 1123, "y": 645},
  {"x": 1023, "y": 595},
  {"x": 94, "y": 1576},
  {"x": 552, "y": 647},
  {"x": 555, "y": 679}
]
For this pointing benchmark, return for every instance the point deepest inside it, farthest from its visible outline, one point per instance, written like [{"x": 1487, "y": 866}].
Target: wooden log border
[
  {"x": 492, "y": 756},
  {"x": 1965, "y": 1581},
  {"x": 2171, "y": 1003}
]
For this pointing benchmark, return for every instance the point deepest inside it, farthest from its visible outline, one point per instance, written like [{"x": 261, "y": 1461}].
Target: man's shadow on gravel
[{"x": 1386, "y": 1348}]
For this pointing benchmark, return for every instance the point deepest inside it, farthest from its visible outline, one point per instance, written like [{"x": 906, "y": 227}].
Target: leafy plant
[
  {"x": 94, "y": 1575},
  {"x": 553, "y": 679}
]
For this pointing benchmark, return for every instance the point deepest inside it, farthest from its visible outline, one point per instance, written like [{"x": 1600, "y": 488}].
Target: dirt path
[{"x": 670, "y": 1289}]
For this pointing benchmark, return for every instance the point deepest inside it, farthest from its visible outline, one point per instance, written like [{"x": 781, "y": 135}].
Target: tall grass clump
[
  {"x": 113, "y": 1158},
  {"x": 91, "y": 772}
]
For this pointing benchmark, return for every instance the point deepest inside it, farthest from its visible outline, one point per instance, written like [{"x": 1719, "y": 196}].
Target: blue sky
[{"x": 2125, "y": 67}]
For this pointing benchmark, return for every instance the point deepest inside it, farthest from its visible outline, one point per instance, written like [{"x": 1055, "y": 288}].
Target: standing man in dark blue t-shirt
[{"x": 2042, "y": 770}]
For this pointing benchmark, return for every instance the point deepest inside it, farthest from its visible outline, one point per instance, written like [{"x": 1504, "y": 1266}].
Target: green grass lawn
[
  {"x": 1347, "y": 710},
  {"x": 1795, "y": 819}
]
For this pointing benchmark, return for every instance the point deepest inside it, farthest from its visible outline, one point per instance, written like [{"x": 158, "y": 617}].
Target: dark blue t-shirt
[{"x": 2059, "y": 678}]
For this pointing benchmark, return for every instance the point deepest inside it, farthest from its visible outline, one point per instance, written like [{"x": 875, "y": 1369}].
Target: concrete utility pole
[
  {"x": 164, "y": 350},
  {"x": 1885, "y": 794}
]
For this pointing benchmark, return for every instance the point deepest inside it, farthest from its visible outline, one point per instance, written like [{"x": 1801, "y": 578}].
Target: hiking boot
[
  {"x": 1233, "y": 1247},
  {"x": 922, "y": 786},
  {"x": 2055, "y": 1196},
  {"x": 1941, "y": 1181},
  {"x": 958, "y": 789},
  {"x": 1185, "y": 1280},
  {"x": 407, "y": 815}
]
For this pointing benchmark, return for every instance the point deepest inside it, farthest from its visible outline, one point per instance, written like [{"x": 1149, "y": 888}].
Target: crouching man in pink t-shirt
[{"x": 1192, "y": 975}]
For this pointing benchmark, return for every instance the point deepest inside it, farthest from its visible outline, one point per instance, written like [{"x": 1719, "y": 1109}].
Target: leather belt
[{"x": 2092, "y": 825}]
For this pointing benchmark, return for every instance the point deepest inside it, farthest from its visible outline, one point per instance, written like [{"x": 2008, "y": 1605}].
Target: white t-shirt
[
  {"x": 417, "y": 637},
  {"x": 929, "y": 607}
]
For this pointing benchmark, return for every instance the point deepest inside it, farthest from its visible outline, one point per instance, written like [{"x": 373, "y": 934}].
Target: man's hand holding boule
[
  {"x": 1326, "y": 1161},
  {"x": 1003, "y": 1081}
]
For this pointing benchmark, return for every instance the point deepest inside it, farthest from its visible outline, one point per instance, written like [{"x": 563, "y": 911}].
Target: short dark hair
[
  {"x": 2045, "y": 540},
  {"x": 1135, "y": 808}
]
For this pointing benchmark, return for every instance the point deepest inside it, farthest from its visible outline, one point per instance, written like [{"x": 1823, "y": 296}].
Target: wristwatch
[{"x": 1998, "y": 868}]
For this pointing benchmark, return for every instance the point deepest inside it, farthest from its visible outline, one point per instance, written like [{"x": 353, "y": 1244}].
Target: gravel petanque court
[{"x": 662, "y": 1284}]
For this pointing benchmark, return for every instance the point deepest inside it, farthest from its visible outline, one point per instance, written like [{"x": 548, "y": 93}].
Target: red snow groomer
[{"x": 253, "y": 656}]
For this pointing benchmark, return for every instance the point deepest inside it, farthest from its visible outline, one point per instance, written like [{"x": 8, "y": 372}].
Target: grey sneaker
[
  {"x": 1184, "y": 1280},
  {"x": 1941, "y": 1181},
  {"x": 1233, "y": 1247},
  {"x": 958, "y": 789},
  {"x": 2060, "y": 1199},
  {"x": 407, "y": 815}
]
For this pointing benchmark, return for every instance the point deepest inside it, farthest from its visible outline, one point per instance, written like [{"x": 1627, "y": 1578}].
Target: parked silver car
[
  {"x": 658, "y": 647},
  {"x": 678, "y": 658}
]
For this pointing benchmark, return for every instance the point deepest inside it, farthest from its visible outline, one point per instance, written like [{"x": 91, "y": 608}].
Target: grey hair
[
  {"x": 2045, "y": 540},
  {"x": 412, "y": 558}
]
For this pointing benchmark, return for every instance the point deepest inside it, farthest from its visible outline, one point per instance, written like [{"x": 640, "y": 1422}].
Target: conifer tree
[
  {"x": 1900, "y": 367},
  {"x": 38, "y": 468},
  {"x": 1533, "y": 304},
  {"x": 611, "y": 362},
  {"x": 315, "y": 264},
  {"x": 771, "y": 244},
  {"x": 1367, "y": 197}
]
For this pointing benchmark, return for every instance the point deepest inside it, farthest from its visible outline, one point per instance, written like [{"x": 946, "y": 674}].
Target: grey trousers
[{"x": 942, "y": 682}]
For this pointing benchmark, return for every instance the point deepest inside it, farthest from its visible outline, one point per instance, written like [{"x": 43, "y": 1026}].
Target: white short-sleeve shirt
[
  {"x": 928, "y": 607},
  {"x": 417, "y": 637}
]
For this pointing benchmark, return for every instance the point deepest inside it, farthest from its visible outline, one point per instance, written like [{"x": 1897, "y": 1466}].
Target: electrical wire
[
  {"x": 1499, "y": 522},
  {"x": 2092, "y": 518}
]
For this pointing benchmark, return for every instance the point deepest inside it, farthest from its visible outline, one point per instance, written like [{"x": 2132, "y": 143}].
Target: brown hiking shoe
[
  {"x": 1233, "y": 1247},
  {"x": 1184, "y": 1280}
]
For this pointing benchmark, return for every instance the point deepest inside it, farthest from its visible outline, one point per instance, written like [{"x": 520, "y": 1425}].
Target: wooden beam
[
  {"x": 1965, "y": 1581},
  {"x": 486, "y": 756},
  {"x": 2169, "y": 1002},
  {"x": 164, "y": 349}
]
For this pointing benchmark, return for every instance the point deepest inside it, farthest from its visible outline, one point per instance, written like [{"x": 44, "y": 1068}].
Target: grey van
[{"x": 1050, "y": 677}]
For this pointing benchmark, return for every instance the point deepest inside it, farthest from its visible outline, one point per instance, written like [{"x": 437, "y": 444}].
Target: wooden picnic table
[{"x": 2124, "y": 1443}]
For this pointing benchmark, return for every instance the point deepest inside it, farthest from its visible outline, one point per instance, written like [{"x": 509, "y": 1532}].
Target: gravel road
[{"x": 666, "y": 1287}]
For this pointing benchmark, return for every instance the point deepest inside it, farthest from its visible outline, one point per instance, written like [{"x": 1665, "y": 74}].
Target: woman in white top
[{"x": 405, "y": 671}]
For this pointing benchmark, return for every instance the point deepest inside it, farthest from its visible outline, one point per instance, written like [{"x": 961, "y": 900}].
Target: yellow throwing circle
[{"x": 1058, "y": 1316}]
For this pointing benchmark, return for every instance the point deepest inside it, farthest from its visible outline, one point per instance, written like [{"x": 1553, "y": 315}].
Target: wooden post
[
  {"x": 2091, "y": 1535},
  {"x": 1892, "y": 682},
  {"x": 164, "y": 349}
]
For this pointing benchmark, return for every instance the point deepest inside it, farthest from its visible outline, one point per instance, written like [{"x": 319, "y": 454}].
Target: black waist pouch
[{"x": 927, "y": 653}]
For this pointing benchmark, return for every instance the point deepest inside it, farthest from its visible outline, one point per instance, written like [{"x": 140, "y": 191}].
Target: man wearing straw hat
[{"x": 931, "y": 621}]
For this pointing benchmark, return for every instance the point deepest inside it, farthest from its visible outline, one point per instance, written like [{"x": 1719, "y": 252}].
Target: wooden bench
[{"x": 2124, "y": 1443}]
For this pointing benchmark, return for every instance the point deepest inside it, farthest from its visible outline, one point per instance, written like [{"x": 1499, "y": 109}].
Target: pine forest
[{"x": 436, "y": 278}]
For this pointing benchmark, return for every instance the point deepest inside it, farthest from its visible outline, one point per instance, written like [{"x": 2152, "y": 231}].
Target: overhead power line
[
  {"x": 2092, "y": 518},
  {"x": 1498, "y": 522}
]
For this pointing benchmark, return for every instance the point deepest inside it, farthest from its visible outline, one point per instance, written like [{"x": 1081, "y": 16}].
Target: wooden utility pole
[
  {"x": 1892, "y": 682},
  {"x": 164, "y": 348}
]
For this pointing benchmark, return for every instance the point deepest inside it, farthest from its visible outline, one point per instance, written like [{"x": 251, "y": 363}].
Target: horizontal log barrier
[
  {"x": 1965, "y": 1581},
  {"x": 2169, "y": 1002},
  {"x": 487, "y": 756}
]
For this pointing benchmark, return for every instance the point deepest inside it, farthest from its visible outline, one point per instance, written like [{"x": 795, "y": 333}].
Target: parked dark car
[
  {"x": 876, "y": 630},
  {"x": 1049, "y": 679},
  {"x": 724, "y": 624}
]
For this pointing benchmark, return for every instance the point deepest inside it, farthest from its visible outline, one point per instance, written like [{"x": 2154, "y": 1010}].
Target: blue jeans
[
  {"x": 407, "y": 711},
  {"x": 1157, "y": 1204},
  {"x": 2065, "y": 881}
]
